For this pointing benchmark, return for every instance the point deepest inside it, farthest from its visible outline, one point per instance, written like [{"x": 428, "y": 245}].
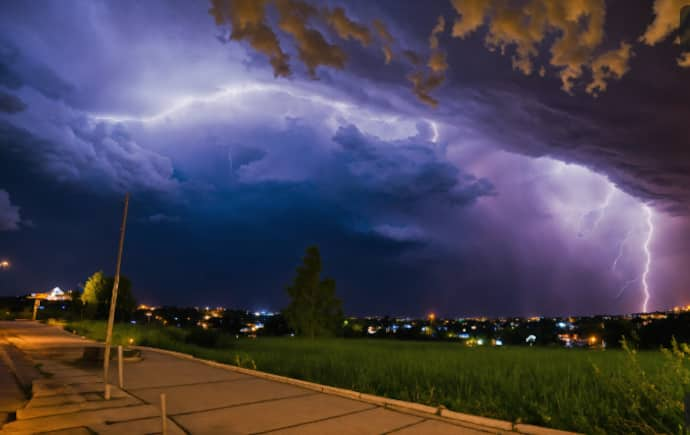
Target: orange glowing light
[{"x": 432, "y": 317}]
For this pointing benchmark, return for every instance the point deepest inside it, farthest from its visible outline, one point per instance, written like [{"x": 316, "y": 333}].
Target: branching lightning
[
  {"x": 625, "y": 286},
  {"x": 646, "y": 251},
  {"x": 238, "y": 91},
  {"x": 621, "y": 246},
  {"x": 644, "y": 278},
  {"x": 648, "y": 256},
  {"x": 598, "y": 214},
  {"x": 604, "y": 206}
]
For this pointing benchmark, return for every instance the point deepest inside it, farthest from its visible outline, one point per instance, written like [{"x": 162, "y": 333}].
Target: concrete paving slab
[
  {"x": 12, "y": 397},
  {"x": 170, "y": 371},
  {"x": 142, "y": 426},
  {"x": 57, "y": 400},
  {"x": 436, "y": 427},
  {"x": 212, "y": 395},
  {"x": 373, "y": 421},
  {"x": 65, "y": 408},
  {"x": 78, "y": 419},
  {"x": 69, "y": 431},
  {"x": 271, "y": 415},
  {"x": 56, "y": 388}
]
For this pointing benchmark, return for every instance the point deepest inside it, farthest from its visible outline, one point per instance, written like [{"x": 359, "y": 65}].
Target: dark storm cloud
[
  {"x": 9, "y": 213},
  {"x": 643, "y": 150},
  {"x": 10, "y": 103},
  {"x": 160, "y": 218},
  {"x": 95, "y": 154},
  {"x": 406, "y": 170},
  {"x": 16, "y": 70},
  {"x": 259, "y": 174}
]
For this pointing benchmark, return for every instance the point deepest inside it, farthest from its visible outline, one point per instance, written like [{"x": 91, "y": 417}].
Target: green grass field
[{"x": 590, "y": 391}]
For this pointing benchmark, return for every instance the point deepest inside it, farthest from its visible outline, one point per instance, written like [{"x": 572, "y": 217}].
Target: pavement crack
[
  {"x": 318, "y": 420},
  {"x": 237, "y": 405},
  {"x": 191, "y": 384}
]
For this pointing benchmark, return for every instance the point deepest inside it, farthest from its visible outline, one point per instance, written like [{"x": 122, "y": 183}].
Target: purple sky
[{"x": 447, "y": 179}]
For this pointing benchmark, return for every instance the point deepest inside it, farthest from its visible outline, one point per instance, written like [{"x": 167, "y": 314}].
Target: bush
[{"x": 203, "y": 337}]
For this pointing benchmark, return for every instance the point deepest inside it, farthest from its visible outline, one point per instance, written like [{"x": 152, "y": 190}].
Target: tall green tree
[
  {"x": 90, "y": 297},
  {"x": 96, "y": 297},
  {"x": 314, "y": 309}
]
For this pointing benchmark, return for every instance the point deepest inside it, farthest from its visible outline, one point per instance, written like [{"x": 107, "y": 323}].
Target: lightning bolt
[
  {"x": 620, "y": 250},
  {"x": 599, "y": 213},
  {"x": 237, "y": 91},
  {"x": 604, "y": 206},
  {"x": 648, "y": 256},
  {"x": 625, "y": 286},
  {"x": 434, "y": 129}
]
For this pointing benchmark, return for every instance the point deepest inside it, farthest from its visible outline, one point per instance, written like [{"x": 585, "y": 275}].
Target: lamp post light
[{"x": 4, "y": 264}]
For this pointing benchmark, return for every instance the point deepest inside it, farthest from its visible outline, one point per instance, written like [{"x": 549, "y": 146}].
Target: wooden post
[
  {"x": 686, "y": 401},
  {"x": 164, "y": 417},
  {"x": 113, "y": 299},
  {"x": 120, "y": 369}
]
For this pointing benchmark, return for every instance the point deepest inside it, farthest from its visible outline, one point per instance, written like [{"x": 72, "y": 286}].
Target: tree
[
  {"x": 92, "y": 289},
  {"x": 314, "y": 309},
  {"x": 96, "y": 297}
]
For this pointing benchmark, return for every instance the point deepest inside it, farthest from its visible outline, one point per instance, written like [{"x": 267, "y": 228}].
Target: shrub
[{"x": 203, "y": 337}]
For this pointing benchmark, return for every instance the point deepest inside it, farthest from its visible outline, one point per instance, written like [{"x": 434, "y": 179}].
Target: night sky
[{"x": 467, "y": 157}]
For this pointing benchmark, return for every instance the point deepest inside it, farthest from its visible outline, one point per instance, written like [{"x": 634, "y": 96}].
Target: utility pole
[{"x": 113, "y": 302}]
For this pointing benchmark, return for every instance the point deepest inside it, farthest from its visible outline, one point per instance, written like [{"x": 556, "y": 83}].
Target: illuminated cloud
[
  {"x": 684, "y": 60},
  {"x": 666, "y": 21},
  {"x": 313, "y": 49},
  {"x": 386, "y": 39},
  {"x": 76, "y": 148},
  {"x": 412, "y": 57},
  {"x": 424, "y": 82},
  {"x": 248, "y": 21},
  {"x": 612, "y": 64},
  {"x": 9, "y": 213},
  {"x": 437, "y": 30},
  {"x": 575, "y": 31},
  {"x": 346, "y": 28}
]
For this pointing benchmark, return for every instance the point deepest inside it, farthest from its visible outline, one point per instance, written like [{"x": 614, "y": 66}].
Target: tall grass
[{"x": 596, "y": 392}]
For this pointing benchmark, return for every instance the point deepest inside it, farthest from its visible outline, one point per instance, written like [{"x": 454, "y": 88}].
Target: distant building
[{"x": 56, "y": 294}]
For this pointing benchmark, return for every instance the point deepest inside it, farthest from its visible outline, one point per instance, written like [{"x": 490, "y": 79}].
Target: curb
[{"x": 385, "y": 402}]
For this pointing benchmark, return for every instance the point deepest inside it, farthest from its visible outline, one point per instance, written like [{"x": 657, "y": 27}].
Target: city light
[{"x": 4, "y": 264}]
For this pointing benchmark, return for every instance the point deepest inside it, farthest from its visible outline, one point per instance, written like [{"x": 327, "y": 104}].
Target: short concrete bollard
[
  {"x": 164, "y": 417},
  {"x": 120, "y": 369},
  {"x": 107, "y": 391}
]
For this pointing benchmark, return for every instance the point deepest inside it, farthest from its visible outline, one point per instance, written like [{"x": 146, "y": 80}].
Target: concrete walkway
[{"x": 208, "y": 398}]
